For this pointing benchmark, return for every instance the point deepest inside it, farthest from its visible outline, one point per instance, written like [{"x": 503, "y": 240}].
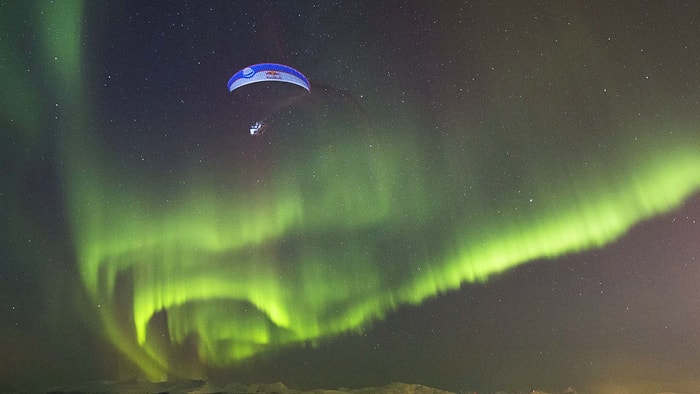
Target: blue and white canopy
[{"x": 270, "y": 72}]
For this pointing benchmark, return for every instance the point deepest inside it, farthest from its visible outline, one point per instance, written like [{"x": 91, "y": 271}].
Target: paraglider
[
  {"x": 267, "y": 72},
  {"x": 268, "y": 103},
  {"x": 258, "y": 128}
]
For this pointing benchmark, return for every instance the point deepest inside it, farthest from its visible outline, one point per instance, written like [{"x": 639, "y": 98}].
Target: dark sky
[{"x": 473, "y": 196}]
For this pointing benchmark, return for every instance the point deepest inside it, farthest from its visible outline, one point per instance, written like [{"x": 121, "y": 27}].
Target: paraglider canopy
[{"x": 267, "y": 72}]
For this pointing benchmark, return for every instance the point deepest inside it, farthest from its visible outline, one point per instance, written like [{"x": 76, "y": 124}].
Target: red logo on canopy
[{"x": 273, "y": 75}]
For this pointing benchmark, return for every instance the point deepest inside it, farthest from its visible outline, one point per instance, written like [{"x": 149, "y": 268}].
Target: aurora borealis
[{"x": 444, "y": 151}]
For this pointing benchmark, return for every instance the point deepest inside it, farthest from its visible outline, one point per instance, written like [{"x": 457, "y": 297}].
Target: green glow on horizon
[
  {"x": 247, "y": 272},
  {"x": 335, "y": 238}
]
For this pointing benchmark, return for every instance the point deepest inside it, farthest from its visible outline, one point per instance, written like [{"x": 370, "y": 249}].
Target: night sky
[{"x": 473, "y": 196}]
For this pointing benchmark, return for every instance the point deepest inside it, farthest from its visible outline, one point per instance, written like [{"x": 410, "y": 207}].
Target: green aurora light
[
  {"x": 292, "y": 267},
  {"x": 245, "y": 267}
]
